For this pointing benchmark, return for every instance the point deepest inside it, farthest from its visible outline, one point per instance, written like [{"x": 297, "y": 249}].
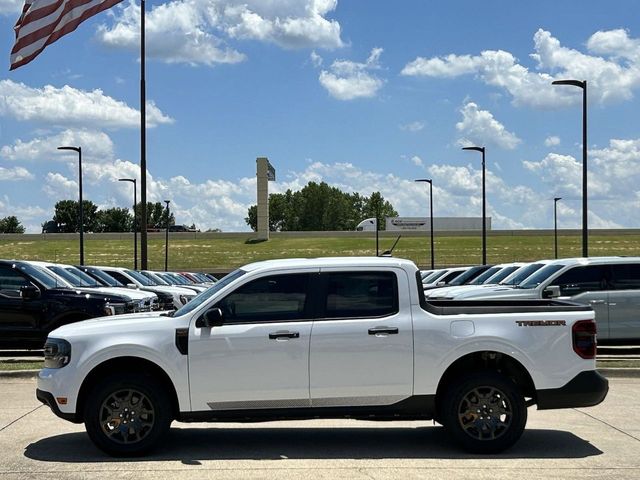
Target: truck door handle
[
  {"x": 283, "y": 334},
  {"x": 383, "y": 330},
  {"x": 596, "y": 302}
]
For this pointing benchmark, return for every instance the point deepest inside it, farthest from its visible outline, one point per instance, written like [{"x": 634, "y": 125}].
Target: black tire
[
  {"x": 111, "y": 419},
  {"x": 484, "y": 412}
]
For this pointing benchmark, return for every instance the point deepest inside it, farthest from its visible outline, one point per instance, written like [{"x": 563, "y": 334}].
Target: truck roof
[{"x": 320, "y": 262}]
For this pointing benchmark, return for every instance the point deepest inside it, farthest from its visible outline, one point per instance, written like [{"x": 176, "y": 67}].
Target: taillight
[{"x": 584, "y": 338}]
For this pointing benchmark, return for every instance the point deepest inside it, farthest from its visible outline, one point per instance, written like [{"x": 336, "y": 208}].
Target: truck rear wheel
[
  {"x": 484, "y": 412},
  {"x": 127, "y": 415}
]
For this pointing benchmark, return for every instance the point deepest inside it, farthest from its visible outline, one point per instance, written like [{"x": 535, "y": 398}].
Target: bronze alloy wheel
[
  {"x": 485, "y": 413},
  {"x": 127, "y": 416}
]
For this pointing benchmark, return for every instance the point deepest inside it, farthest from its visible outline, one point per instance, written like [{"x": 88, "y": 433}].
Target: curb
[
  {"x": 620, "y": 372},
  {"x": 19, "y": 374}
]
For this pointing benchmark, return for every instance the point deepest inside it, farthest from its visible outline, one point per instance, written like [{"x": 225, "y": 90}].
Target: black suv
[{"x": 32, "y": 304}]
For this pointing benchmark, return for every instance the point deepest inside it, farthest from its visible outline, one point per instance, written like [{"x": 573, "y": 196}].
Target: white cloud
[
  {"x": 552, "y": 141},
  {"x": 316, "y": 60},
  {"x": 197, "y": 31},
  {"x": 59, "y": 187},
  {"x": 417, "y": 161},
  {"x": 96, "y": 146},
  {"x": 70, "y": 106},
  {"x": 347, "y": 80},
  {"x": 609, "y": 78},
  {"x": 15, "y": 173},
  {"x": 413, "y": 126},
  {"x": 480, "y": 127},
  {"x": 11, "y": 7}
]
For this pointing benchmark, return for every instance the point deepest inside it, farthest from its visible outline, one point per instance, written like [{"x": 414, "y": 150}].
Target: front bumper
[
  {"x": 47, "y": 399},
  {"x": 584, "y": 390}
]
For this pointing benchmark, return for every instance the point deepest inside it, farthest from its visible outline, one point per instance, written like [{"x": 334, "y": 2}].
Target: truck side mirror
[
  {"x": 552, "y": 291},
  {"x": 210, "y": 318},
  {"x": 132, "y": 286},
  {"x": 29, "y": 292}
]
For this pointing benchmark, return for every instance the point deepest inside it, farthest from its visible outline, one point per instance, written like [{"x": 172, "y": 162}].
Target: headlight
[
  {"x": 57, "y": 353},
  {"x": 115, "y": 308}
]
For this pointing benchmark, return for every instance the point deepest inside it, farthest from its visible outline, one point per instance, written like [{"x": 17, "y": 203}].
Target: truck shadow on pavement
[{"x": 190, "y": 445}]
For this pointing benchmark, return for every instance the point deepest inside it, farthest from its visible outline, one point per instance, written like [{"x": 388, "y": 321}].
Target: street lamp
[
  {"x": 484, "y": 204},
  {"x": 555, "y": 224},
  {"x": 135, "y": 221},
  {"x": 79, "y": 150},
  {"x": 430, "y": 182},
  {"x": 166, "y": 241},
  {"x": 583, "y": 85}
]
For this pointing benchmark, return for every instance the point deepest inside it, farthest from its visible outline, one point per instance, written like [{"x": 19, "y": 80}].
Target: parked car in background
[
  {"x": 164, "y": 278},
  {"x": 482, "y": 279},
  {"x": 179, "y": 295},
  {"x": 441, "y": 277},
  {"x": 609, "y": 285},
  {"x": 72, "y": 277},
  {"x": 33, "y": 302}
]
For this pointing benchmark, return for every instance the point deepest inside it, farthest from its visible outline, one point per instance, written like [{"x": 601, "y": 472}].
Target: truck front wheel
[
  {"x": 127, "y": 414},
  {"x": 484, "y": 412}
]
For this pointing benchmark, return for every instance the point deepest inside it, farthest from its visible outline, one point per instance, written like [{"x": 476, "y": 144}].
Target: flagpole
[{"x": 143, "y": 144}]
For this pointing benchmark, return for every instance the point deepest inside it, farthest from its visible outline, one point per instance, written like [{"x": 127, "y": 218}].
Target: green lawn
[{"x": 227, "y": 253}]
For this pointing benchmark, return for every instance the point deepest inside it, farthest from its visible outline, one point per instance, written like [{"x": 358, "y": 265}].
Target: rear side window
[
  {"x": 268, "y": 299},
  {"x": 360, "y": 294},
  {"x": 582, "y": 279},
  {"x": 626, "y": 277}
]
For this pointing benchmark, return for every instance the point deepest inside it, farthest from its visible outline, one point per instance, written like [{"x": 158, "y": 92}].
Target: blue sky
[{"x": 365, "y": 95}]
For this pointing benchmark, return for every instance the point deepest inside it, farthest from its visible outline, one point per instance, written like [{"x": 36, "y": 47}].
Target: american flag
[{"x": 44, "y": 21}]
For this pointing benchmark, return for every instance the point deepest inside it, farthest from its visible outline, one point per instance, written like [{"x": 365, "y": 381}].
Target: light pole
[
  {"x": 484, "y": 204},
  {"x": 166, "y": 241},
  {"x": 430, "y": 182},
  {"x": 585, "y": 232},
  {"x": 555, "y": 224},
  {"x": 135, "y": 221},
  {"x": 377, "y": 227},
  {"x": 79, "y": 150}
]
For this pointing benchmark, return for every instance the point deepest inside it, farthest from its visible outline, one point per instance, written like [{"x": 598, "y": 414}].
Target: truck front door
[
  {"x": 259, "y": 357},
  {"x": 362, "y": 343}
]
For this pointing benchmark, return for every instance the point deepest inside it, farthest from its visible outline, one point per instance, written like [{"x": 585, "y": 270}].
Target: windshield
[
  {"x": 502, "y": 274},
  {"x": 102, "y": 277},
  {"x": 177, "y": 279},
  {"x": 45, "y": 278},
  {"x": 464, "y": 276},
  {"x": 522, "y": 274},
  {"x": 480, "y": 279},
  {"x": 72, "y": 279},
  {"x": 433, "y": 276},
  {"x": 154, "y": 278},
  {"x": 88, "y": 279},
  {"x": 540, "y": 276},
  {"x": 208, "y": 293},
  {"x": 140, "y": 278}
]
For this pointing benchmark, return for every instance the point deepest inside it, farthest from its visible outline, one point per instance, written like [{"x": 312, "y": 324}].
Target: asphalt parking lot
[{"x": 598, "y": 442}]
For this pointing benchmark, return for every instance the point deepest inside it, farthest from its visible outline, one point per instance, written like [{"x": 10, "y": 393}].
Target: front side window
[
  {"x": 358, "y": 295},
  {"x": 268, "y": 299},
  {"x": 11, "y": 281},
  {"x": 582, "y": 279}
]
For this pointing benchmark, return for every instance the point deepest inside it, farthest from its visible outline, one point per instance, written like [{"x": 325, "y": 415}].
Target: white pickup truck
[{"x": 323, "y": 338}]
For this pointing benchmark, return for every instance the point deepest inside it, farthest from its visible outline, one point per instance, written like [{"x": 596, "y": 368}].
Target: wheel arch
[
  {"x": 487, "y": 360},
  {"x": 129, "y": 364}
]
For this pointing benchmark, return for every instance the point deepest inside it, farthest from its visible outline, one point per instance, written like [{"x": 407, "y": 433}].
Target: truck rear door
[{"x": 362, "y": 341}]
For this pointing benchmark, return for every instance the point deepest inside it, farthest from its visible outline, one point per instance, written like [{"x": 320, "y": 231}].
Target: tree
[
  {"x": 67, "y": 215},
  {"x": 319, "y": 206},
  {"x": 156, "y": 215},
  {"x": 11, "y": 224},
  {"x": 114, "y": 220}
]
